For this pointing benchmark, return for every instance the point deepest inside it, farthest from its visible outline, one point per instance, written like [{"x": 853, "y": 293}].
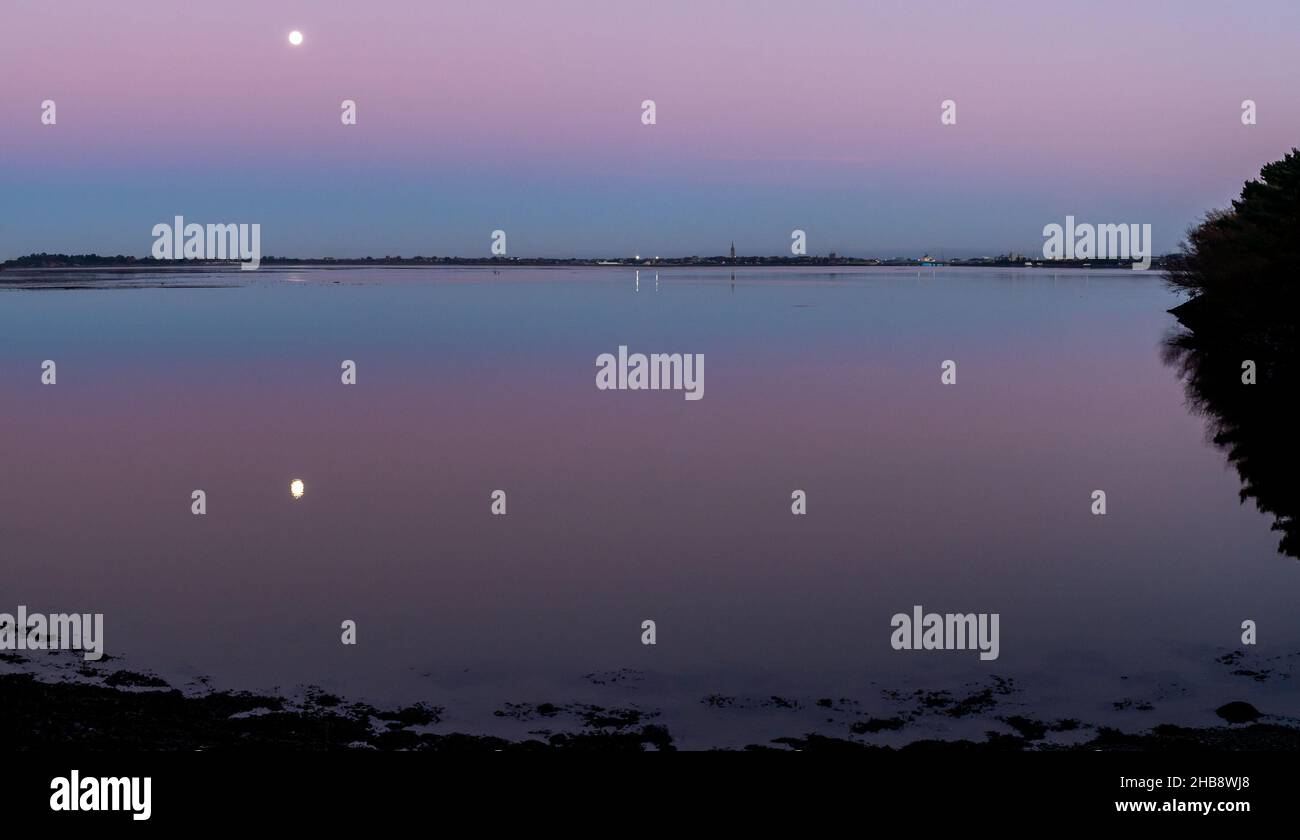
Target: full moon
[
  {"x": 295, "y": 37},
  {"x": 297, "y": 488}
]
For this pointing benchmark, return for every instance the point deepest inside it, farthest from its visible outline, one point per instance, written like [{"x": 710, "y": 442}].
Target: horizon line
[{"x": 630, "y": 261}]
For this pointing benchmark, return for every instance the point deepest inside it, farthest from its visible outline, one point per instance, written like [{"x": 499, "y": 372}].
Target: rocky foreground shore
[{"x": 110, "y": 708}]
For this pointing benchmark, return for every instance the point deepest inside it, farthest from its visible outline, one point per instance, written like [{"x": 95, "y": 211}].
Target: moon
[
  {"x": 296, "y": 488},
  {"x": 295, "y": 38}
]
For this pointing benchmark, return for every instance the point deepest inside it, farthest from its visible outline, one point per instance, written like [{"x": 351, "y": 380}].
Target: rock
[{"x": 1238, "y": 712}]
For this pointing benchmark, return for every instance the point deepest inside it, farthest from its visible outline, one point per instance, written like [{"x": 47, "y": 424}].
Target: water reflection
[{"x": 1256, "y": 425}]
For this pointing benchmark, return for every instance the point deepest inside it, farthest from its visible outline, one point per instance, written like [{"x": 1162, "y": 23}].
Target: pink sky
[{"x": 822, "y": 115}]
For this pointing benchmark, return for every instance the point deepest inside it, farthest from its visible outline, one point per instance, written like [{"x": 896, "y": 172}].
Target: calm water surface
[{"x": 626, "y": 506}]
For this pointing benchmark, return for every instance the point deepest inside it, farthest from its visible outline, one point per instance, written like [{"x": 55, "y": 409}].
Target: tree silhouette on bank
[{"x": 1241, "y": 268}]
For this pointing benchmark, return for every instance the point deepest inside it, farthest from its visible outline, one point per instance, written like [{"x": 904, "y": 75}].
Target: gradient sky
[{"x": 821, "y": 115}]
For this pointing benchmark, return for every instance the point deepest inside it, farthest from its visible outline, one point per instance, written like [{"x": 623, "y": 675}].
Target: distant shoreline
[{"x": 94, "y": 262}]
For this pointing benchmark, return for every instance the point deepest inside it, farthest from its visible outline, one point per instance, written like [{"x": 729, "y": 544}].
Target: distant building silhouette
[{"x": 733, "y": 252}]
